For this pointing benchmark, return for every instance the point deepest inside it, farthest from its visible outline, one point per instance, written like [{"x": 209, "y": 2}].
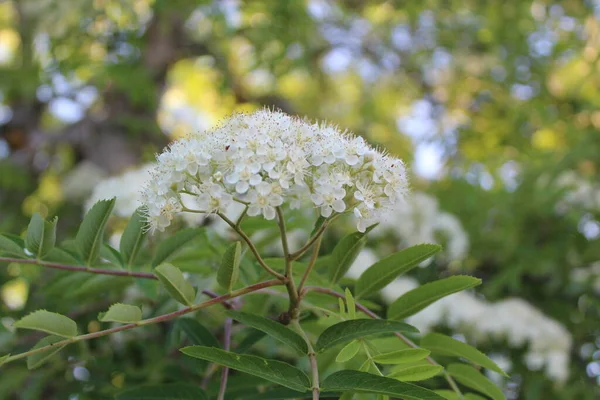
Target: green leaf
[
  {"x": 197, "y": 333},
  {"x": 401, "y": 356},
  {"x": 417, "y": 299},
  {"x": 351, "y": 304},
  {"x": 9, "y": 245},
  {"x": 357, "y": 381},
  {"x": 41, "y": 235},
  {"x": 272, "y": 370},
  {"x": 416, "y": 373},
  {"x": 273, "y": 329},
  {"x": 229, "y": 271},
  {"x": 349, "y": 351},
  {"x": 91, "y": 231},
  {"x": 38, "y": 359},
  {"x": 344, "y": 254},
  {"x": 3, "y": 359},
  {"x": 172, "y": 244},
  {"x": 448, "y": 346},
  {"x": 172, "y": 279},
  {"x": 133, "y": 237},
  {"x": 123, "y": 313},
  {"x": 472, "y": 378},
  {"x": 318, "y": 224},
  {"x": 386, "y": 270},
  {"x": 49, "y": 322},
  {"x": 109, "y": 253},
  {"x": 171, "y": 391},
  {"x": 348, "y": 330}
]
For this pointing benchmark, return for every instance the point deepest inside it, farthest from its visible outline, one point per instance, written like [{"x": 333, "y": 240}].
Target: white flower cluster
[
  {"x": 268, "y": 159},
  {"x": 512, "y": 319},
  {"x": 422, "y": 221},
  {"x": 580, "y": 192}
]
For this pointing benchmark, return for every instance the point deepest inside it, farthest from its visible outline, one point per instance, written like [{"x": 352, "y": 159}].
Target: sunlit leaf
[
  {"x": 41, "y": 235},
  {"x": 416, "y": 373},
  {"x": 133, "y": 238},
  {"x": 174, "y": 282},
  {"x": 349, "y": 351},
  {"x": 229, "y": 271},
  {"x": 91, "y": 231},
  {"x": 123, "y": 313},
  {"x": 49, "y": 322},
  {"x": 401, "y": 356}
]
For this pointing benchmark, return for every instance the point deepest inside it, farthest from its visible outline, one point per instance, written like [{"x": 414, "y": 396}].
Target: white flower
[{"x": 269, "y": 159}]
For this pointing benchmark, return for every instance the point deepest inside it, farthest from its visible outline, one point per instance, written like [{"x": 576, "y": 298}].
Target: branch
[
  {"x": 314, "y": 367},
  {"x": 149, "y": 321},
  {"x": 311, "y": 264},
  {"x": 290, "y": 285},
  {"x": 400, "y": 336},
  {"x": 253, "y": 249},
  {"x": 296, "y": 255},
  {"x": 78, "y": 268}
]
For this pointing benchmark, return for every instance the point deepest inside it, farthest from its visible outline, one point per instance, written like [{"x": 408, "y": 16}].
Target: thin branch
[
  {"x": 252, "y": 248},
  {"x": 79, "y": 268},
  {"x": 312, "y": 356},
  {"x": 311, "y": 264},
  {"x": 290, "y": 285},
  {"x": 400, "y": 336},
  {"x": 296, "y": 255},
  {"x": 149, "y": 321},
  {"x": 226, "y": 347}
]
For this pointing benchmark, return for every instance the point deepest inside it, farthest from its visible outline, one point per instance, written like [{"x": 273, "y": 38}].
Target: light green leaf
[
  {"x": 171, "y": 391},
  {"x": 364, "y": 382},
  {"x": 448, "y": 346},
  {"x": 38, "y": 359},
  {"x": 452, "y": 395},
  {"x": 174, "y": 282},
  {"x": 344, "y": 254},
  {"x": 123, "y": 313},
  {"x": 197, "y": 333},
  {"x": 271, "y": 328},
  {"x": 416, "y": 373},
  {"x": 348, "y": 330},
  {"x": 417, "y": 299},
  {"x": 272, "y": 370},
  {"x": 91, "y": 231},
  {"x": 386, "y": 270},
  {"x": 342, "y": 307},
  {"x": 41, "y": 235},
  {"x": 49, "y": 322},
  {"x": 10, "y": 246},
  {"x": 349, "y": 351},
  {"x": 133, "y": 237},
  {"x": 472, "y": 378},
  {"x": 401, "y": 356},
  {"x": 351, "y": 304},
  {"x": 173, "y": 244},
  {"x": 229, "y": 271}
]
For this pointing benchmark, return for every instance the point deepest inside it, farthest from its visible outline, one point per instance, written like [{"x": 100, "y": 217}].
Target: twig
[
  {"x": 252, "y": 248},
  {"x": 154, "y": 320},
  {"x": 312, "y": 356},
  {"x": 290, "y": 285},
  {"x": 400, "y": 336},
  {"x": 296, "y": 255},
  {"x": 78, "y": 268},
  {"x": 311, "y": 264}
]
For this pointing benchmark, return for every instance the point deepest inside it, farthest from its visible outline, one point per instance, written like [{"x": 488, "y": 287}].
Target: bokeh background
[{"x": 494, "y": 105}]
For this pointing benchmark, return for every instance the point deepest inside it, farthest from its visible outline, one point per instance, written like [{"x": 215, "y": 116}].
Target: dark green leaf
[
  {"x": 10, "y": 246},
  {"x": 357, "y": 381},
  {"x": 448, "y": 346},
  {"x": 344, "y": 254},
  {"x": 173, "y": 281},
  {"x": 229, "y": 271},
  {"x": 401, "y": 356},
  {"x": 197, "y": 333},
  {"x": 417, "y": 299},
  {"x": 38, "y": 359},
  {"x": 348, "y": 330},
  {"x": 272, "y": 370},
  {"x": 123, "y": 313},
  {"x": 109, "y": 253},
  {"x": 49, "y": 322},
  {"x": 271, "y": 328},
  {"x": 416, "y": 372},
  {"x": 91, "y": 231},
  {"x": 172, "y": 391},
  {"x": 250, "y": 340},
  {"x": 41, "y": 235},
  {"x": 133, "y": 238},
  {"x": 172, "y": 244},
  {"x": 472, "y": 378},
  {"x": 386, "y": 270}
]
